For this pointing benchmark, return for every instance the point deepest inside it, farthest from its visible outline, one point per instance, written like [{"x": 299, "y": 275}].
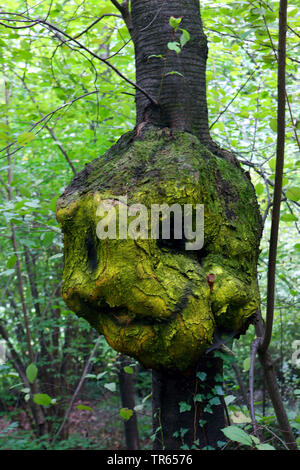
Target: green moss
[{"x": 153, "y": 302}]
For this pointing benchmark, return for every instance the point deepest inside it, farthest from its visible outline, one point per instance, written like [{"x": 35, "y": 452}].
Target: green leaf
[
  {"x": 175, "y": 22},
  {"x": 85, "y": 408},
  {"x": 289, "y": 218},
  {"x": 259, "y": 188},
  {"x": 234, "y": 433},
  {"x": 246, "y": 364},
  {"x": 293, "y": 193},
  {"x": 42, "y": 399},
  {"x": 7, "y": 272},
  {"x": 174, "y": 72},
  {"x": 201, "y": 376},
  {"x": 198, "y": 397},
  {"x": 53, "y": 204},
  {"x": 183, "y": 406},
  {"x": 128, "y": 370},
  {"x": 174, "y": 46},
  {"x": 111, "y": 386},
  {"x": 31, "y": 372},
  {"x": 272, "y": 163},
  {"x": 273, "y": 124},
  {"x": 184, "y": 38},
  {"x": 214, "y": 401},
  {"x": 126, "y": 413},
  {"x": 254, "y": 438},
  {"x": 47, "y": 239},
  {"x": 229, "y": 399},
  {"x": 238, "y": 417},
  {"x": 265, "y": 447},
  {"x": 155, "y": 56},
  {"x": 25, "y": 138},
  {"x": 11, "y": 261}
]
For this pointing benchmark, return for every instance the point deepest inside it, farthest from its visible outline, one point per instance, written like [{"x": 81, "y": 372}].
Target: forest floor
[{"x": 103, "y": 427}]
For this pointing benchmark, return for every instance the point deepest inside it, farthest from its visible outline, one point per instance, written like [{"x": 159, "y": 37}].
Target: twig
[
  {"x": 52, "y": 27},
  {"x": 232, "y": 100},
  {"x": 278, "y": 177},
  {"x": 78, "y": 388},
  {"x": 50, "y": 115},
  {"x": 254, "y": 348}
]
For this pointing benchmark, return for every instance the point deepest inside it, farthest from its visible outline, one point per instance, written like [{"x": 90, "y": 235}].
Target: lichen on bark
[{"x": 151, "y": 299}]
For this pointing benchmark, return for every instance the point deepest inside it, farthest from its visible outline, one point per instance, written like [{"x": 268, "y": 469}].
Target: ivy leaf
[
  {"x": 234, "y": 433},
  {"x": 214, "y": 401},
  {"x": 183, "y": 406},
  {"x": 128, "y": 370},
  {"x": 31, "y": 372},
  {"x": 201, "y": 376},
  {"x": 126, "y": 413}
]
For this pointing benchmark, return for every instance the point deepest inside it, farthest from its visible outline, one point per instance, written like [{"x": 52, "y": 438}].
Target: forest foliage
[{"x": 60, "y": 108}]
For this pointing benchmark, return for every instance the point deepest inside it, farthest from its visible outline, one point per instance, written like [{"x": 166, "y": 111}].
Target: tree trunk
[
  {"x": 179, "y": 418},
  {"x": 181, "y": 99},
  {"x": 126, "y": 383},
  {"x": 182, "y": 105}
]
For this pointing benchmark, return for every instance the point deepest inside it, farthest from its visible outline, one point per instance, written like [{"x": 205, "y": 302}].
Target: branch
[
  {"x": 78, "y": 388},
  {"x": 124, "y": 10},
  {"x": 278, "y": 176},
  {"x": 232, "y": 100},
  {"x": 254, "y": 348},
  {"x": 51, "y": 114},
  {"x": 51, "y": 27}
]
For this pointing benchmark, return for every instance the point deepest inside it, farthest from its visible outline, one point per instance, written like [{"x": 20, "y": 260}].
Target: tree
[
  {"x": 171, "y": 94},
  {"x": 171, "y": 116}
]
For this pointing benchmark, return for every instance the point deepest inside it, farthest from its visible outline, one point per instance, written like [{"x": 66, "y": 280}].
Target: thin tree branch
[
  {"x": 78, "y": 388},
  {"x": 52, "y": 27},
  {"x": 254, "y": 348},
  {"x": 278, "y": 176},
  {"x": 232, "y": 100},
  {"x": 50, "y": 115}
]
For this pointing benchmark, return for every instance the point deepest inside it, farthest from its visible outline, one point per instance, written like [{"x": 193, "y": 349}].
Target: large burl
[{"x": 153, "y": 299}]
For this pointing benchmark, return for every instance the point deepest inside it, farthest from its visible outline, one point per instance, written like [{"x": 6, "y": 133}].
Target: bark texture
[
  {"x": 172, "y": 394},
  {"x": 182, "y": 99}
]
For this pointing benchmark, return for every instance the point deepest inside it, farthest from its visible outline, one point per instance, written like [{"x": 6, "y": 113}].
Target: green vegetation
[{"x": 60, "y": 109}]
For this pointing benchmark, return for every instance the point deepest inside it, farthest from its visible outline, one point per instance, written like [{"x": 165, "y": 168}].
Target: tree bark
[
  {"x": 172, "y": 394},
  {"x": 181, "y": 99},
  {"x": 126, "y": 383},
  {"x": 182, "y": 105}
]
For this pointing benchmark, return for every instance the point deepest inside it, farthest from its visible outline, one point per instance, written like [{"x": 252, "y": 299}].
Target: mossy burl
[{"x": 151, "y": 301}]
